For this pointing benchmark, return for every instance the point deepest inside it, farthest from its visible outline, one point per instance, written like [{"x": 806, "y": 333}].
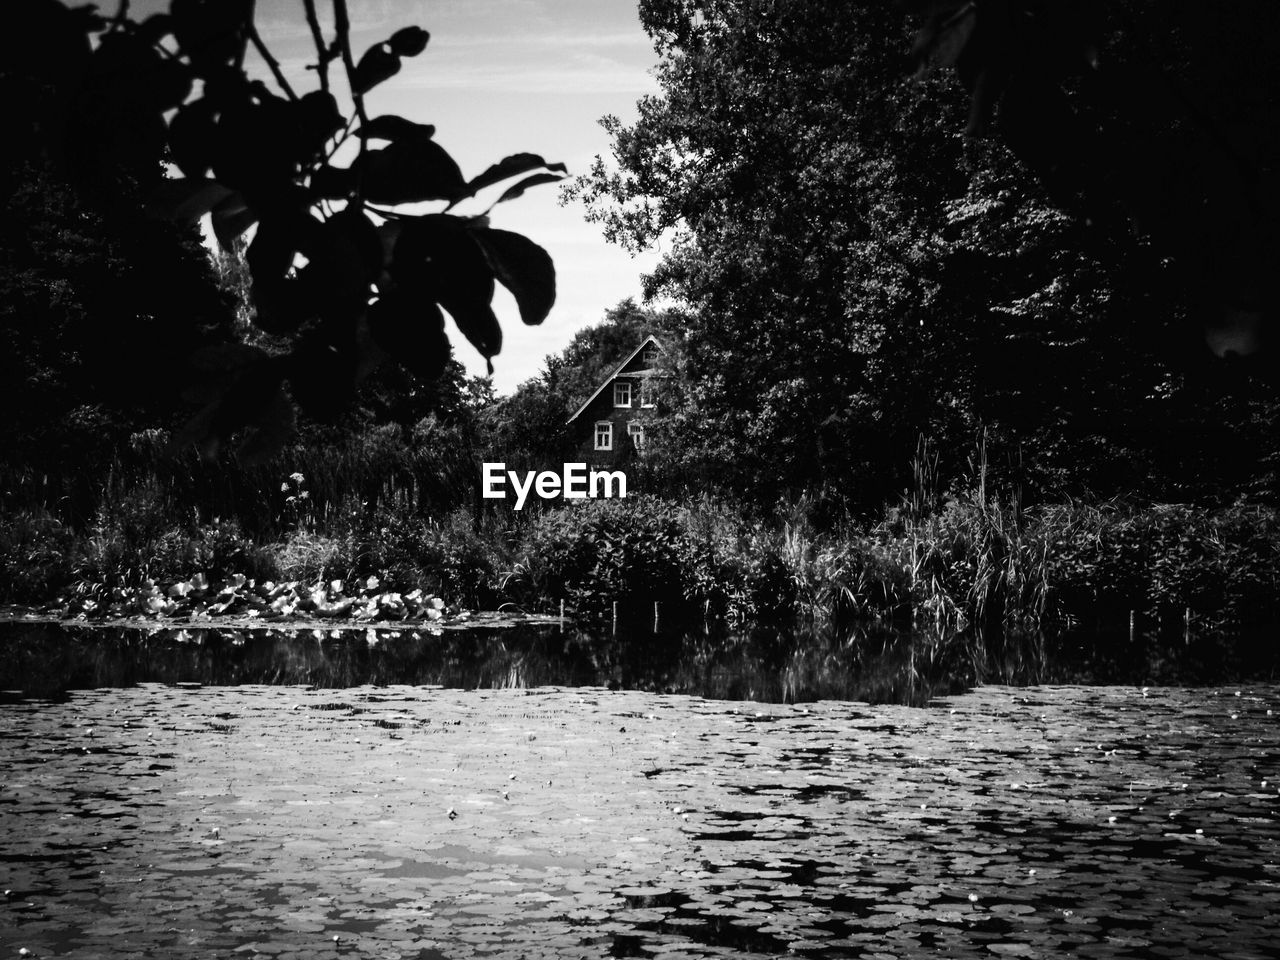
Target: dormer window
[
  {"x": 649, "y": 358},
  {"x": 622, "y": 393}
]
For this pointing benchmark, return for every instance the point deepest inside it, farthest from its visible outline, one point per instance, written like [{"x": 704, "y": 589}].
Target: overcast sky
[{"x": 502, "y": 77}]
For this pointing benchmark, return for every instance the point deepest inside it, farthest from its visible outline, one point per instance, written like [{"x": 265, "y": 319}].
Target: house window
[
  {"x": 604, "y": 435},
  {"x": 636, "y": 431},
  {"x": 646, "y": 393},
  {"x": 622, "y": 393},
  {"x": 649, "y": 357}
]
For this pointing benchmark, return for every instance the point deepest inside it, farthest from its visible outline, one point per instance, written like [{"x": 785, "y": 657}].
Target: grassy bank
[{"x": 972, "y": 560}]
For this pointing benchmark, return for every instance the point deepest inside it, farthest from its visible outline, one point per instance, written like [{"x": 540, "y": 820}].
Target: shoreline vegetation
[{"x": 378, "y": 545}]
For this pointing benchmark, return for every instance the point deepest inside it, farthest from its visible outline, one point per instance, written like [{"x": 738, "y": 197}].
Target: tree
[
  {"x": 340, "y": 272},
  {"x": 861, "y": 273},
  {"x": 1157, "y": 114},
  {"x": 101, "y": 306}
]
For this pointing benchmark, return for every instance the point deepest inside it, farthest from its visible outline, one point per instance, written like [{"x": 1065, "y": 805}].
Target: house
[{"x": 611, "y": 422}]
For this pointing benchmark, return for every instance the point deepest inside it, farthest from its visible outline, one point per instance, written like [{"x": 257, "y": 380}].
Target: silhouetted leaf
[
  {"x": 210, "y": 32},
  {"x": 506, "y": 168},
  {"x": 185, "y": 200},
  {"x": 409, "y": 171},
  {"x": 409, "y": 41},
  {"x": 358, "y": 240},
  {"x": 168, "y": 84},
  {"x": 392, "y": 127},
  {"x": 193, "y": 137},
  {"x": 344, "y": 260},
  {"x": 318, "y": 119},
  {"x": 282, "y": 302},
  {"x": 518, "y": 189},
  {"x": 333, "y": 183},
  {"x": 156, "y": 27},
  {"x": 231, "y": 218},
  {"x": 257, "y": 147},
  {"x": 411, "y": 330},
  {"x": 377, "y": 64},
  {"x": 437, "y": 254},
  {"x": 522, "y": 267},
  {"x": 388, "y": 234}
]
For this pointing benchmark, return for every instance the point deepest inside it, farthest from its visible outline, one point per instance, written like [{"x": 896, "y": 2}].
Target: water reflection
[{"x": 878, "y": 663}]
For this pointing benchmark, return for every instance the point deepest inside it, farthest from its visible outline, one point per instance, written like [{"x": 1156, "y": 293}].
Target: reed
[{"x": 383, "y": 504}]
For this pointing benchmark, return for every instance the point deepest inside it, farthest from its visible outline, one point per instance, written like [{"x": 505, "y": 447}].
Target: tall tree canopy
[
  {"x": 861, "y": 273},
  {"x": 341, "y": 274},
  {"x": 1159, "y": 113}
]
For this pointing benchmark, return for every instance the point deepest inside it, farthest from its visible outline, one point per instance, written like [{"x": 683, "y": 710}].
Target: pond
[{"x": 171, "y": 802}]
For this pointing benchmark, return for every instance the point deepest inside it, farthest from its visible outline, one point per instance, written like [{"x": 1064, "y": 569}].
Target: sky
[{"x": 502, "y": 77}]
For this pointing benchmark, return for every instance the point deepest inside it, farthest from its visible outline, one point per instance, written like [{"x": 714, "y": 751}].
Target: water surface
[
  {"x": 175, "y": 792},
  {"x": 872, "y": 662},
  {"x": 255, "y": 820}
]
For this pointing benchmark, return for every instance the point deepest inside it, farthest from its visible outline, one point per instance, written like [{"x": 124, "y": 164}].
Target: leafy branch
[{"x": 338, "y": 270}]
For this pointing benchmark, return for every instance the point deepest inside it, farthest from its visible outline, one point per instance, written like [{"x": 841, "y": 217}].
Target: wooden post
[
  {"x": 561, "y": 613},
  {"x": 655, "y": 616},
  {"x": 615, "y": 616},
  {"x": 1186, "y": 627},
  {"x": 1132, "y": 617}
]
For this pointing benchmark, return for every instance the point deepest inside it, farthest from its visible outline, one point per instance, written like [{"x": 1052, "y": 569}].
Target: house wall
[
  {"x": 603, "y": 409},
  {"x": 636, "y": 372}
]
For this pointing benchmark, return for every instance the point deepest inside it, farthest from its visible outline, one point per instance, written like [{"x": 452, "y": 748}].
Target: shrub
[
  {"x": 593, "y": 553},
  {"x": 1161, "y": 561},
  {"x": 36, "y": 557},
  {"x": 460, "y": 564}
]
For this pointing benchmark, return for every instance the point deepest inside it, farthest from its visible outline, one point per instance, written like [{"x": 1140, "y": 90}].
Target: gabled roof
[{"x": 617, "y": 370}]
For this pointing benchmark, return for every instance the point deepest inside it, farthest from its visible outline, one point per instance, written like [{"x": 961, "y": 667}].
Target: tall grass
[
  {"x": 400, "y": 508},
  {"x": 427, "y": 468}
]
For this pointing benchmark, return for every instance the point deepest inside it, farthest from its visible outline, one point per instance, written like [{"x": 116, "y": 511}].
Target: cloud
[
  {"x": 558, "y": 39},
  {"x": 575, "y": 72}
]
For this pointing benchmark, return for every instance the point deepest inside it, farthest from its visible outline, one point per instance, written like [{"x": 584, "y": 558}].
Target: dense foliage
[
  {"x": 1152, "y": 113},
  {"x": 340, "y": 276},
  {"x": 860, "y": 274},
  {"x": 974, "y": 562},
  {"x": 101, "y": 306}
]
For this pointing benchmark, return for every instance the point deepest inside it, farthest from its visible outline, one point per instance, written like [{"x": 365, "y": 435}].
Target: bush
[
  {"x": 132, "y": 538},
  {"x": 593, "y": 553},
  {"x": 462, "y": 565},
  {"x": 700, "y": 559},
  {"x": 36, "y": 553},
  {"x": 1222, "y": 565}
]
